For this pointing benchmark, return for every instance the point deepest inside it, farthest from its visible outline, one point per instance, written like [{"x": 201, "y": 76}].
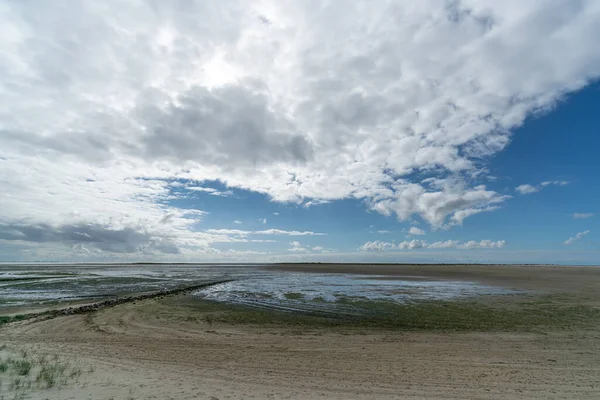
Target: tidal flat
[{"x": 302, "y": 331}]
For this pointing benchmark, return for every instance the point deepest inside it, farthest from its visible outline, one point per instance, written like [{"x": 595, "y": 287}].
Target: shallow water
[
  {"x": 24, "y": 285},
  {"x": 29, "y": 285},
  {"x": 335, "y": 293}
]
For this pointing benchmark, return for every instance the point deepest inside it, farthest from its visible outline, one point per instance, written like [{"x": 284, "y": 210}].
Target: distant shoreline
[{"x": 294, "y": 263}]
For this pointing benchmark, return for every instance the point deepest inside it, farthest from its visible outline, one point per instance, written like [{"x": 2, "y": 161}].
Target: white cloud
[
  {"x": 484, "y": 244},
  {"x": 376, "y": 245},
  {"x": 412, "y": 244},
  {"x": 557, "y": 183},
  {"x": 297, "y": 247},
  {"x": 383, "y": 232},
  {"x": 238, "y": 222},
  {"x": 291, "y": 233},
  {"x": 448, "y": 197},
  {"x": 211, "y": 191},
  {"x": 275, "y": 213},
  {"x": 575, "y": 238},
  {"x": 315, "y": 203},
  {"x": 448, "y": 244},
  {"x": 582, "y": 215},
  {"x": 528, "y": 189},
  {"x": 317, "y": 105},
  {"x": 239, "y": 232},
  {"x": 264, "y": 221},
  {"x": 415, "y": 231},
  {"x": 460, "y": 215},
  {"x": 423, "y": 244}
]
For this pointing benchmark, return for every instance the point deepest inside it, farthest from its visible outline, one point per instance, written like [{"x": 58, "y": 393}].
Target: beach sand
[{"x": 157, "y": 349}]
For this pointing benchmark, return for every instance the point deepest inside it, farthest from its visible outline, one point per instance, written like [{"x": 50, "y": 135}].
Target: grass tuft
[
  {"x": 22, "y": 367},
  {"x": 27, "y": 371}
]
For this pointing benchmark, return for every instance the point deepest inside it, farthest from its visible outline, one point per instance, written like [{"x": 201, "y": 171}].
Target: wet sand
[
  {"x": 156, "y": 349},
  {"x": 533, "y": 277}
]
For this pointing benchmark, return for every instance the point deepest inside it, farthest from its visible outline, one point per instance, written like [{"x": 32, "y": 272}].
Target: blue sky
[
  {"x": 437, "y": 132},
  {"x": 534, "y": 225}
]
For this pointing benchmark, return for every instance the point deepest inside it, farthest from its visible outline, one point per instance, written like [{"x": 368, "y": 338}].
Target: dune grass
[{"x": 27, "y": 371}]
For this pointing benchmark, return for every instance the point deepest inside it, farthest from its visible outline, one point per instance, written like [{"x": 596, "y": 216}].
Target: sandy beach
[{"x": 169, "y": 349}]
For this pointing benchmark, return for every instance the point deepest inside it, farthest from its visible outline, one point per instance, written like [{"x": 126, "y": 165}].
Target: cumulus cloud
[
  {"x": 423, "y": 244},
  {"x": 376, "y": 245},
  {"x": 582, "y": 215},
  {"x": 575, "y": 238},
  {"x": 330, "y": 100},
  {"x": 484, "y": 244},
  {"x": 528, "y": 189},
  {"x": 239, "y": 232},
  {"x": 415, "y": 231},
  {"x": 231, "y": 125},
  {"x": 449, "y": 197},
  {"x": 448, "y": 244},
  {"x": 297, "y": 247},
  {"x": 459, "y": 216},
  {"x": 412, "y": 244}
]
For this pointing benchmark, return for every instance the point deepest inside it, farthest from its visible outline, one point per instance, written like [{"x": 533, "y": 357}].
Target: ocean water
[{"x": 30, "y": 285}]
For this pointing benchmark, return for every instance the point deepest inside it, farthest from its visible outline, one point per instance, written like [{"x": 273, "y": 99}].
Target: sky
[{"x": 265, "y": 131}]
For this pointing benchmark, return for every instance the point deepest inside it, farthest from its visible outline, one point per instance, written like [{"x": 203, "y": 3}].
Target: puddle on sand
[{"x": 320, "y": 293}]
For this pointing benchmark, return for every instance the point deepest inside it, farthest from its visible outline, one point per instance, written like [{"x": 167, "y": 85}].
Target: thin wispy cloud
[
  {"x": 556, "y": 183},
  {"x": 582, "y": 215},
  {"x": 528, "y": 189},
  {"x": 576, "y": 238},
  {"x": 315, "y": 203},
  {"x": 211, "y": 191}
]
